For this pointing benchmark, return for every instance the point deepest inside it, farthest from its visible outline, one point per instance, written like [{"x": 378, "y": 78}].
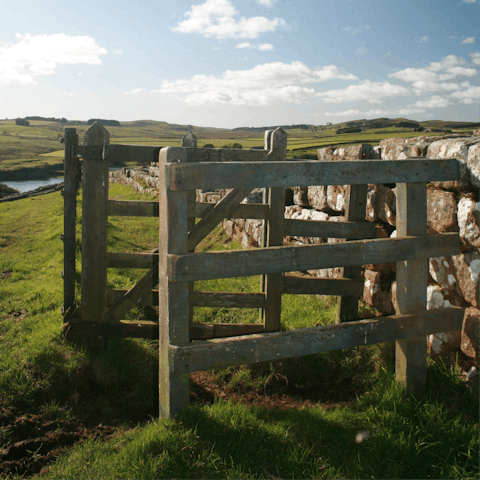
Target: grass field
[
  {"x": 61, "y": 389},
  {"x": 38, "y": 145}
]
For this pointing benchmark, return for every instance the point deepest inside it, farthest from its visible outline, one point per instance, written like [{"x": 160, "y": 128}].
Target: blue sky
[{"x": 232, "y": 63}]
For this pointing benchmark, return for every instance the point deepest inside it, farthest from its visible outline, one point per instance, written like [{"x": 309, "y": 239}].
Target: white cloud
[
  {"x": 362, "y": 50},
  {"x": 118, "y": 52},
  {"x": 470, "y": 1},
  {"x": 372, "y": 92},
  {"x": 267, "y": 3},
  {"x": 374, "y": 112},
  {"x": 345, "y": 113},
  {"x": 265, "y": 46},
  {"x": 135, "y": 91},
  {"x": 469, "y": 40},
  {"x": 263, "y": 84},
  {"x": 435, "y": 101},
  {"x": 432, "y": 78},
  {"x": 475, "y": 58},
  {"x": 36, "y": 55},
  {"x": 469, "y": 96},
  {"x": 219, "y": 18},
  {"x": 423, "y": 40},
  {"x": 262, "y": 46}
]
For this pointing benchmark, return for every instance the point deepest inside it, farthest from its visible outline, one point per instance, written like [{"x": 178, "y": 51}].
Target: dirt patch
[{"x": 29, "y": 443}]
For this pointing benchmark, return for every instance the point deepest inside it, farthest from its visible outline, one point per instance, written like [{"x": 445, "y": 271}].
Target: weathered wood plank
[
  {"x": 200, "y": 155},
  {"x": 356, "y": 208},
  {"x": 227, "y": 299},
  {"x": 205, "y": 331},
  {"x": 412, "y": 277},
  {"x": 307, "y": 341},
  {"x": 322, "y": 286},
  {"x": 209, "y": 265},
  {"x": 69, "y": 222},
  {"x": 244, "y": 210},
  {"x": 173, "y": 301},
  {"x": 275, "y": 233},
  {"x": 94, "y": 229},
  {"x": 132, "y": 208},
  {"x": 324, "y": 229},
  {"x": 135, "y": 296},
  {"x": 131, "y": 260},
  {"x": 307, "y": 173},
  {"x": 141, "y": 154},
  {"x": 223, "y": 208},
  {"x": 115, "y": 295}
]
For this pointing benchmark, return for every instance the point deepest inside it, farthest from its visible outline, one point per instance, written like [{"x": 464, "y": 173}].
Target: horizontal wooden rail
[
  {"x": 185, "y": 176},
  {"x": 141, "y": 154},
  {"x": 146, "y": 154},
  {"x": 307, "y": 341},
  {"x": 132, "y": 208},
  {"x": 227, "y": 300},
  {"x": 323, "y": 229},
  {"x": 322, "y": 286},
  {"x": 208, "y": 265},
  {"x": 135, "y": 208},
  {"x": 200, "y": 155},
  {"x": 200, "y": 299},
  {"x": 131, "y": 260},
  {"x": 149, "y": 330}
]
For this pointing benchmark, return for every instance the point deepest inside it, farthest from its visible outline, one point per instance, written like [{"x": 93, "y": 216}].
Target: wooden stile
[{"x": 176, "y": 266}]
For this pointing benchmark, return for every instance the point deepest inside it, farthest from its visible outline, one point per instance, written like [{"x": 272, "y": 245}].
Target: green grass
[
  {"x": 404, "y": 439},
  {"x": 435, "y": 437}
]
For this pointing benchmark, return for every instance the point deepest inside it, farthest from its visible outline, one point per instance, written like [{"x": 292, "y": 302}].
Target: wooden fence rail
[{"x": 175, "y": 266}]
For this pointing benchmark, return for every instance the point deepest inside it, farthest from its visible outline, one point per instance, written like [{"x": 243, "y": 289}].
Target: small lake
[{"x": 28, "y": 185}]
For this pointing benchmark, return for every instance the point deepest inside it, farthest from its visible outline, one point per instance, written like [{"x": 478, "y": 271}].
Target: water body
[{"x": 27, "y": 185}]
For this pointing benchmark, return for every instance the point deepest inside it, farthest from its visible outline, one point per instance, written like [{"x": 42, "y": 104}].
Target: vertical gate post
[
  {"x": 69, "y": 222},
  {"x": 94, "y": 228},
  {"x": 189, "y": 140},
  {"x": 273, "y": 285},
  {"x": 174, "y": 308},
  {"x": 411, "y": 354}
]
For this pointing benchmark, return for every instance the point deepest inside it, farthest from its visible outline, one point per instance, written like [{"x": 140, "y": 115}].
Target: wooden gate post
[
  {"x": 69, "y": 222},
  {"x": 94, "y": 228},
  {"x": 411, "y": 354},
  {"x": 173, "y": 299},
  {"x": 276, "y": 222}
]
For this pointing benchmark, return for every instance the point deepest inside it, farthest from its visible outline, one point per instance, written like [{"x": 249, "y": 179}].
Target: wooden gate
[{"x": 183, "y": 170}]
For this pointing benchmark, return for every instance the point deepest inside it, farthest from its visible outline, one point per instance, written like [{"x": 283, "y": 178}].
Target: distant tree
[
  {"x": 420, "y": 129},
  {"x": 227, "y": 146},
  {"x": 22, "y": 122},
  {"x": 237, "y": 145},
  {"x": 208, "y": 145},
  {"x": 329, "y": 123}
]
